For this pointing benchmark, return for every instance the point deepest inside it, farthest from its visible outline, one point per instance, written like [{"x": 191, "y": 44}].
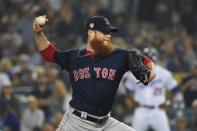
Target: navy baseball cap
[{"x": 101, "y": 24}]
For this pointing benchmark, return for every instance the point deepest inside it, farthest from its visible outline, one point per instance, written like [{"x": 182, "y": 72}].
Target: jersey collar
[{"x": 90, "y": 53}]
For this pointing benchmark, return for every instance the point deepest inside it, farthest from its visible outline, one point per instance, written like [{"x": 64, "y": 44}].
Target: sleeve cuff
[{"x": 48, "y": 53}]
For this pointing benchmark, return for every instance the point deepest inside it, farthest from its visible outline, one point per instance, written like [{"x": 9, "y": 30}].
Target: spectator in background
[
  {"x": 34, "y": 57},
  {"x": 66, "y": 22},
  {"x": 23, "y": 71},
  {"x": 120, "y": 22},
  {"x": 9, "y": 98},
  {"x": 32, "y": 117},
  {"x": 181, "y": 124},
  {"x": 4, "y": 81},
  {"x": 55, "y": 5},
  {"x": 10, "y": 121},
  {"x": 92, "y": 8},
  {"x": 24, "y": 24},
  {"x": 58, "y": 89},
  {"x": 180, "y": 52},
  {"x": 11, "y": 41},
  {"x": 43, "y": 94},
  {"x": 189, "y": 87},
  {"x": 13, "y": 35},
  {"x": 133, "y": 26},
  {"x": 6, "y": 67},
  {"x": 119, "y": 6}
]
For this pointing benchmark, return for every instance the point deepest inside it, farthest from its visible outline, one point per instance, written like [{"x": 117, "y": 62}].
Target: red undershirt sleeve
[{"x": 48, "y": 53}]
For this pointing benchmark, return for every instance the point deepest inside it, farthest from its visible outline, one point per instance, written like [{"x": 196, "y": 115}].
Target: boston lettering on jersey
[{"x": 84, "y": 73}]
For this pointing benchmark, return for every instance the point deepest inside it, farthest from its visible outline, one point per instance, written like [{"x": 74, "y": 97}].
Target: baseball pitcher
[{"x": 95, "y": 73}]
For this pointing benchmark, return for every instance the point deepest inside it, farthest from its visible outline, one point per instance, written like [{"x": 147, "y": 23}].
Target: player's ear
[{"x": 91, "y": 34}]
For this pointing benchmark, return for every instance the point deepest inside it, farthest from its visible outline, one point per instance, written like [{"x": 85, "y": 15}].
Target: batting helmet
[{"x": 152, "y": 53}]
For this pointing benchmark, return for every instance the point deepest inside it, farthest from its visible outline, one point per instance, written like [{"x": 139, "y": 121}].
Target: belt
[
  {"x": 162, "y": 106},
  {"x": 149, "y": 107},
  {"x": 90, "y": 118}
]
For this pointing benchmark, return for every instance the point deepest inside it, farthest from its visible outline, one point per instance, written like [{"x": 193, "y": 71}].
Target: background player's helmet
[{"x": 152, "y": 53}]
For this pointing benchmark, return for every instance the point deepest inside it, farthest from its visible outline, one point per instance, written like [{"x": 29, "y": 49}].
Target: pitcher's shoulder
[{"x": 121, "y": 50}]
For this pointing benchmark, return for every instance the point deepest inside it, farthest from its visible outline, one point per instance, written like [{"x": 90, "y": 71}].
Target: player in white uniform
[{"x": 149, "y": 114}]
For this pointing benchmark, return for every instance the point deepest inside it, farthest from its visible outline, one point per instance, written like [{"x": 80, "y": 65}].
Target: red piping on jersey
[
  {"x": 90, "y": 53},
  {"x": 147, "y": 60},
  {"x": 48, "y": 53}
]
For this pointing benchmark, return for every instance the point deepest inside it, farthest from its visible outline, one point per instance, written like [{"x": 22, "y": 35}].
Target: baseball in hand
[{"x": 41, "y": 20}]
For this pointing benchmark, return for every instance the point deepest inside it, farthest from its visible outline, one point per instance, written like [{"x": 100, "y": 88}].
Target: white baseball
[{"x": 41, "y": 20}]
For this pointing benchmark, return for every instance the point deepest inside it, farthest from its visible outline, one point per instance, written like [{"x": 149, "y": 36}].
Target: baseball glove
[{"x": 137, "y": 67}]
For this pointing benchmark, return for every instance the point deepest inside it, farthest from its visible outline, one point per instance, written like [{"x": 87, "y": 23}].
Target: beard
[{"x": 102, "y": 47}]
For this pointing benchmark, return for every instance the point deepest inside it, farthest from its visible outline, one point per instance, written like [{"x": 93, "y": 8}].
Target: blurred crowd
[{"x": 34, "y": 93}]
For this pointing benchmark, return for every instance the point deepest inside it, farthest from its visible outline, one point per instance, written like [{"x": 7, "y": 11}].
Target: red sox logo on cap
[{"x": 100, "y": 23}]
